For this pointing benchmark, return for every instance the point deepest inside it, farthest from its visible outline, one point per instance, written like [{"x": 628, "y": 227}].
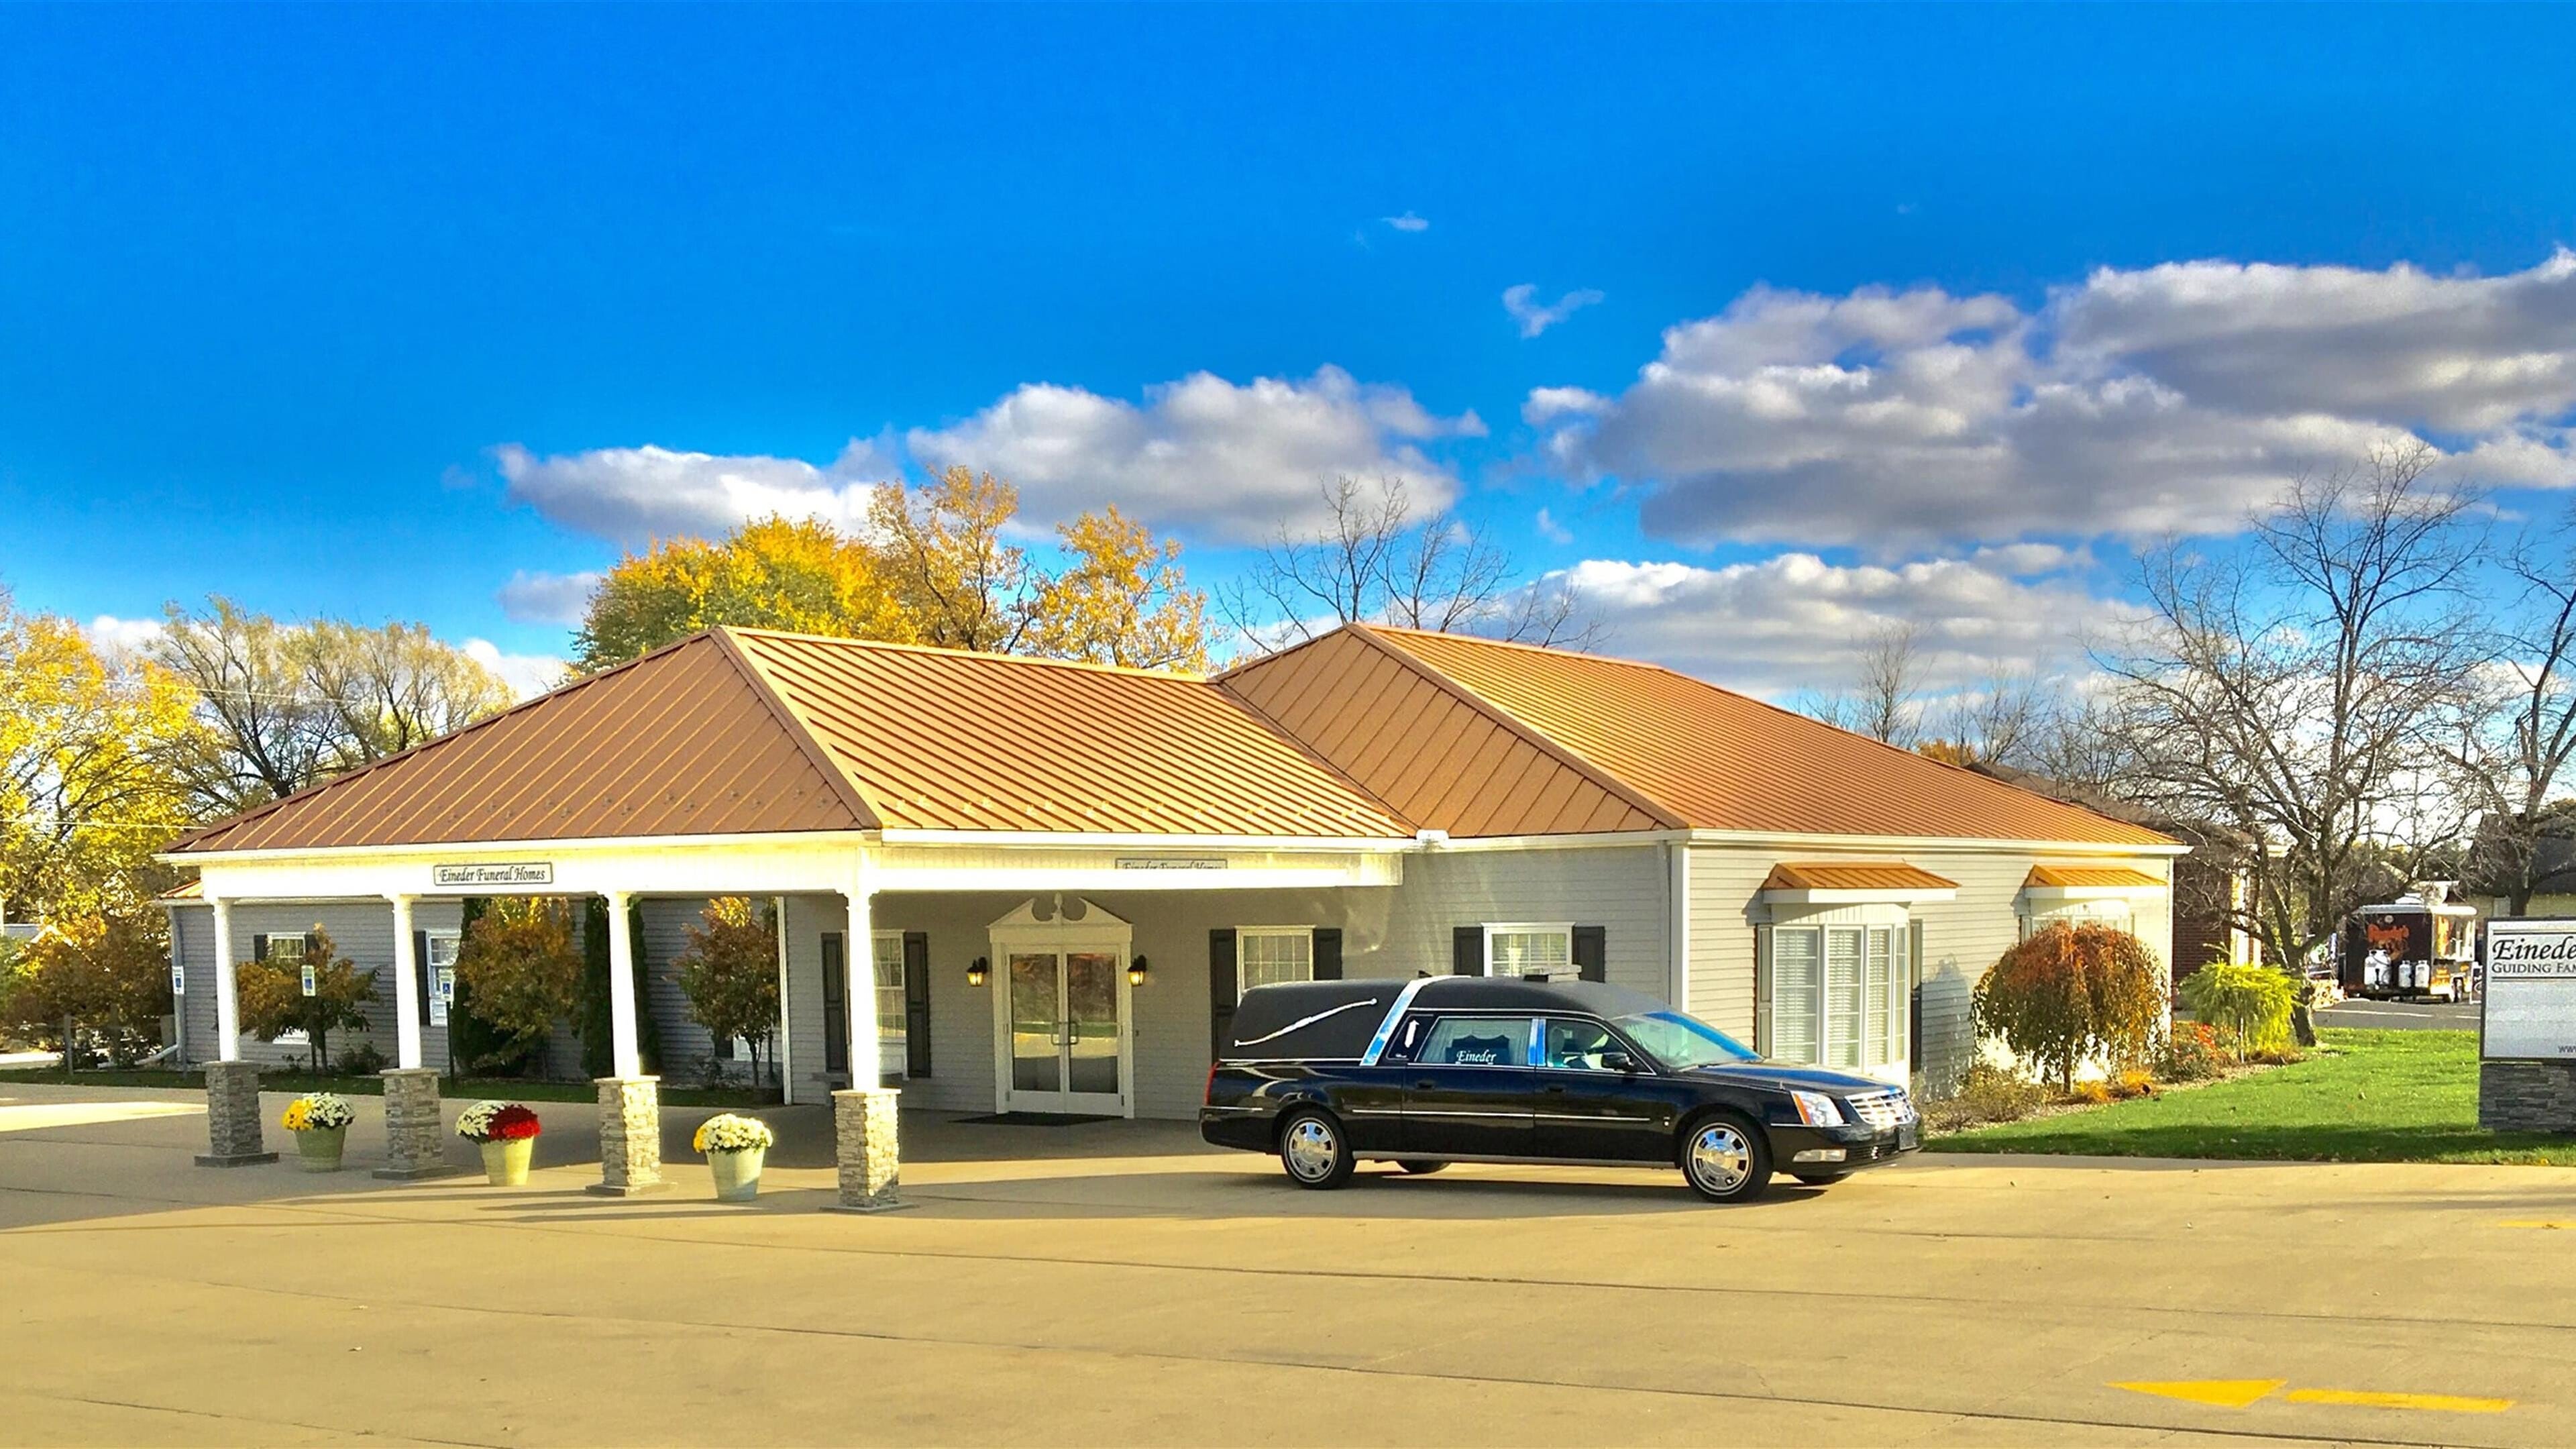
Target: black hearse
[{"x": 1444, "y": 1069}]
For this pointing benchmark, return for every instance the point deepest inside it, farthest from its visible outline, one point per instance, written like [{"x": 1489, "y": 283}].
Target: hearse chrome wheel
[
  {"x": 1312, "y": 1149},
  {"x": 1725, "y": 1160}
]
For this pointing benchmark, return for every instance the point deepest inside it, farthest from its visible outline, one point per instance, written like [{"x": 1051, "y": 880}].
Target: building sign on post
[
  {"x": 474, "y": 875},
  {"x": 2527, "y": 1028}
]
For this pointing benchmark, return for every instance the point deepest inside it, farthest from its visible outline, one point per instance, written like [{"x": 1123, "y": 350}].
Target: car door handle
[
  {"x": 1558, "y": 1088},
  {"x": 1424, "y": 1086}
]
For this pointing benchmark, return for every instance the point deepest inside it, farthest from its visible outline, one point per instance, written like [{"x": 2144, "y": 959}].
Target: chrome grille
[{"x": 1882, "y": 1110}]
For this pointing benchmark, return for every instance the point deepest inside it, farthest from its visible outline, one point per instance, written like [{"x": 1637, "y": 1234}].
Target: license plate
[{"x": 1908, "y": 1136}]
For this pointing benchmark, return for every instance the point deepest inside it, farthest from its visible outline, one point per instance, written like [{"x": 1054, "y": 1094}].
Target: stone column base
[
  {"x": 232, "y": 1117},
  {"x": 2527, "y": 1096},
  {"x": 864, "y": 1146},
  {"x": 414, "y": 1148},
  {"x": 630, "y": 1137}
]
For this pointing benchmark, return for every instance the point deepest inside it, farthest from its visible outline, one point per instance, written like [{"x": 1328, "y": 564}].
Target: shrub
[
  {"x": 363, "y": 1060},
  {"x": 2193, "y": 1053},
  {"x": 2251, "y": 1004},
  {"x": 518, "y": 962},
  {"x": 2134, "y": 1084},
  {"x": 730, "y": 974},
  {"x": 1987, "y": 1093},
  {"x": 2091, "y": 1094},
  {"x": 2070, "y": 992},
  {"x": 110, "y": 974},
  {"x": 273, "y": 1002}
]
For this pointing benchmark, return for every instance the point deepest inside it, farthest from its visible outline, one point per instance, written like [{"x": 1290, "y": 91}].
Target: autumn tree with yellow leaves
[{"x": 937, "y": 566}]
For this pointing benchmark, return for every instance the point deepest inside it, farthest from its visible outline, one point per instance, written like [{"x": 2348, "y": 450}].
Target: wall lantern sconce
[
  {"x": 1135, "y": 970},
  {"x": 975, "y": 971}
]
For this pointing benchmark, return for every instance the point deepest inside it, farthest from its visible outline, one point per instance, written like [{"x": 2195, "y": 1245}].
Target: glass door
[{"x": 1067, "y": 1036}]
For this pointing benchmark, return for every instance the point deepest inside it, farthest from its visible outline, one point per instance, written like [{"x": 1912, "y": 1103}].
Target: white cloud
[
  {"x": 2172, "y": 398},
  {"x": 1551, "y": 530},
  {"x": 1522, "y": 303},
  {"x": 543, "y": 598},
  {"x": 1793, "y": 622},
  {"x": 117, "y": 638},
  {"x": 633, "y": 496},
  {"x": 526, "y": 674},
  {"x": 1406, "y": 222},
  {"x": 1202, "y": 453}
]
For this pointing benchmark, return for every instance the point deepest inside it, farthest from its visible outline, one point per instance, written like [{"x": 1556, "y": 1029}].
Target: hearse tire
[
  {"x": 1314, "y": 1149},
  {"x": 1725, "y": 1158},
  {"x": 1418, "y": 1168},
  {"x": 1820, "y": 1179}
]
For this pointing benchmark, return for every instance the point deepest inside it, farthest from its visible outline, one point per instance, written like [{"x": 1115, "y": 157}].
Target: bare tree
[
  {"x": 2004, "y": 720},
  {"x": 2519, "y": 732},
  {"x": 1885, "y": 702},
  {"x": 2295, "y": 691},
  {"x": 1373, "y": 559},
  {"x": 382, "y": 691}
]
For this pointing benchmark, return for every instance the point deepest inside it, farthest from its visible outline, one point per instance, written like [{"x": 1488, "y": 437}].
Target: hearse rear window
[{"x": 1472, "y": 1041}]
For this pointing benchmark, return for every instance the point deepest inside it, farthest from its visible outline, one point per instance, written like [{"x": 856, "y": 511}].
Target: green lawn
[
  {"x": 2369, "y": 1096},
  {"x": 450, "y": 1087}
]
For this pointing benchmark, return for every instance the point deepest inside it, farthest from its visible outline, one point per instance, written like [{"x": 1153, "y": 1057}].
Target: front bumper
[{"x": 1842, "y": 1149}]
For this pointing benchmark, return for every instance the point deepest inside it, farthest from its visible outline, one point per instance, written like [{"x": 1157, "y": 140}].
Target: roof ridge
[
  {"x": 560, "y": 691},
  {"x": 1664, "y": 815},
  {"x": 1136, "y": 670},
  {"x": 1290, "y": 738},
  {"x": 793, "y": 720}
]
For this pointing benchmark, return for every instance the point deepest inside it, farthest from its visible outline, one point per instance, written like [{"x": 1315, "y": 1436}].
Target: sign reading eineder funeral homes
[
  {"x": 510, "y": 873},
  {"x": 2531, "y": 991}
]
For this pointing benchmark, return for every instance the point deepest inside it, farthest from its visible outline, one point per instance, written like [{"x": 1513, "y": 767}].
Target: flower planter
[
  {"x": 505, "y": 1163},
  {"x": 317, "y": 1149},
  {"x": 737, "y": 1174}
]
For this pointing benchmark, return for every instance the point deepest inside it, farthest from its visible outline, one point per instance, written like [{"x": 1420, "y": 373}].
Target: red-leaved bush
[
  {"x": 2073, "y": 992},
  {"x": 514, "y": 1122}
]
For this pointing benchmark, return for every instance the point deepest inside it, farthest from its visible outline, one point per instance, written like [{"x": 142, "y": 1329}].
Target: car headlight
[{"x": 1818, "y": 1110}]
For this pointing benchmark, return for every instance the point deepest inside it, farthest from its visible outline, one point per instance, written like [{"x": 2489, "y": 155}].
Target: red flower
[{"x": 514, "y": 1122}]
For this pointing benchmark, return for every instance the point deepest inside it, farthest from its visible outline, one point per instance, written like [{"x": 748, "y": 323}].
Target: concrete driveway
[
  {"x": 2401, "y": 1015},
  {"x": 1117, "y": 1283}
]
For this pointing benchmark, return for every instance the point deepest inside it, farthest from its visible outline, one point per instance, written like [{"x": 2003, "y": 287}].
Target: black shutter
[
  {"x": 420, "y": 968},
  {"x": 259, "y": 948},
  {"x": 1592, "y": 953},
  {"x": 1223, "y": 988},
  {"x": 312, "y": 945},
  {"x": 1467, "y": 951},
  {"x": 916, "y": 1004},
  {"x": 1328, "y": 953},
  {"x": 836, "y": 1005}
]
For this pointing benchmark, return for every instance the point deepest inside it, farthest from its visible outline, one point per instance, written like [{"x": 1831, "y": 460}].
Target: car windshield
[{"x": 1680, "y": 1042}]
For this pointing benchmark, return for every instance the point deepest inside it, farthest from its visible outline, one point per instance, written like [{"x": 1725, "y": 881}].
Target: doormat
[{"x": 1034, "y": 1119}]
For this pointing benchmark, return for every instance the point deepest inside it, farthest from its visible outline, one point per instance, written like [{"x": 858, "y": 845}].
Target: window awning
[
  {"x": 2090, "y": 882},
  {"x": 1854, "y": 882}
]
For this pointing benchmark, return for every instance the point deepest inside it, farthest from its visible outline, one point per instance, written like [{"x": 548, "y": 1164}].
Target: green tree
[
  {"x": 272, "y": 1000},
  {"x": 519, "y": 964},
  {"x": 729, "y": 971},
  {"x": 2071, "y": 992}
]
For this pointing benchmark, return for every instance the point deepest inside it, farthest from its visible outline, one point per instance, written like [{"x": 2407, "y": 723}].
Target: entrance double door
[{"x": 1067, "y": 1030}]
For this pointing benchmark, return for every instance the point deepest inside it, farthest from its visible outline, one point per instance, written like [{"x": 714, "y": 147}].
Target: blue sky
[{"x": 372, "y": 311}]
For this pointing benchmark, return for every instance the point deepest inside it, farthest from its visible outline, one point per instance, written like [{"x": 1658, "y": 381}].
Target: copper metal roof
[
  {"x": 940, "y": 740},
  {"x": 1436, "y": 753},
  {"x": 746, "y": 732},
  {"x": 2080, "y": 876},
  {"x": 1680, "y": 750},
  {"x": 684, "y": 741},
  {"x": 1853, "y": 875}
]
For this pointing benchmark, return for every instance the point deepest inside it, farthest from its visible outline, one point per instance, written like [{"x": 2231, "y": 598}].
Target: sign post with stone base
[
  {"x": 414, "y": 1146},
  {"x": 630, "y": 1137},
  {"x": 2527, "y": 1028},
  {"x": 864, "y": 1146},
  {"x": 232, "y": 1117}
]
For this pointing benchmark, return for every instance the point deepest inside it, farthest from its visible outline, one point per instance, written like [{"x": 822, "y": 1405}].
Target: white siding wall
[
  {"x": 359, "y": 930},
  {"x": 1961, "y": 938}
]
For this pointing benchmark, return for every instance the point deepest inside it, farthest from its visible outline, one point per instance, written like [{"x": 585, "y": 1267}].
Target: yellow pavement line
[
  {"x": 2219, "y": 1393},
  {"x": 2443, "y": 1403}
]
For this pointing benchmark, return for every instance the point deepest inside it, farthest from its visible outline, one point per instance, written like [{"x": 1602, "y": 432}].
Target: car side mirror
[{"x": 1618, "y": 1062}]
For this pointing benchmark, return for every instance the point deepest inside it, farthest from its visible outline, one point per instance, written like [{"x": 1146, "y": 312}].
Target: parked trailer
[{"x": 2413, "y": 948}]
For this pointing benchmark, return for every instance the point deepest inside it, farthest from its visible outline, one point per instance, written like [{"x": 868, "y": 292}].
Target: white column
[
  {"x": 227, "y": 1004},
  {"x": 626, "y": 1057},
  {"x": 778, "y": 1052},
  {"x": 861, "y": 961},
  {"x": 406, "y": 987}
]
